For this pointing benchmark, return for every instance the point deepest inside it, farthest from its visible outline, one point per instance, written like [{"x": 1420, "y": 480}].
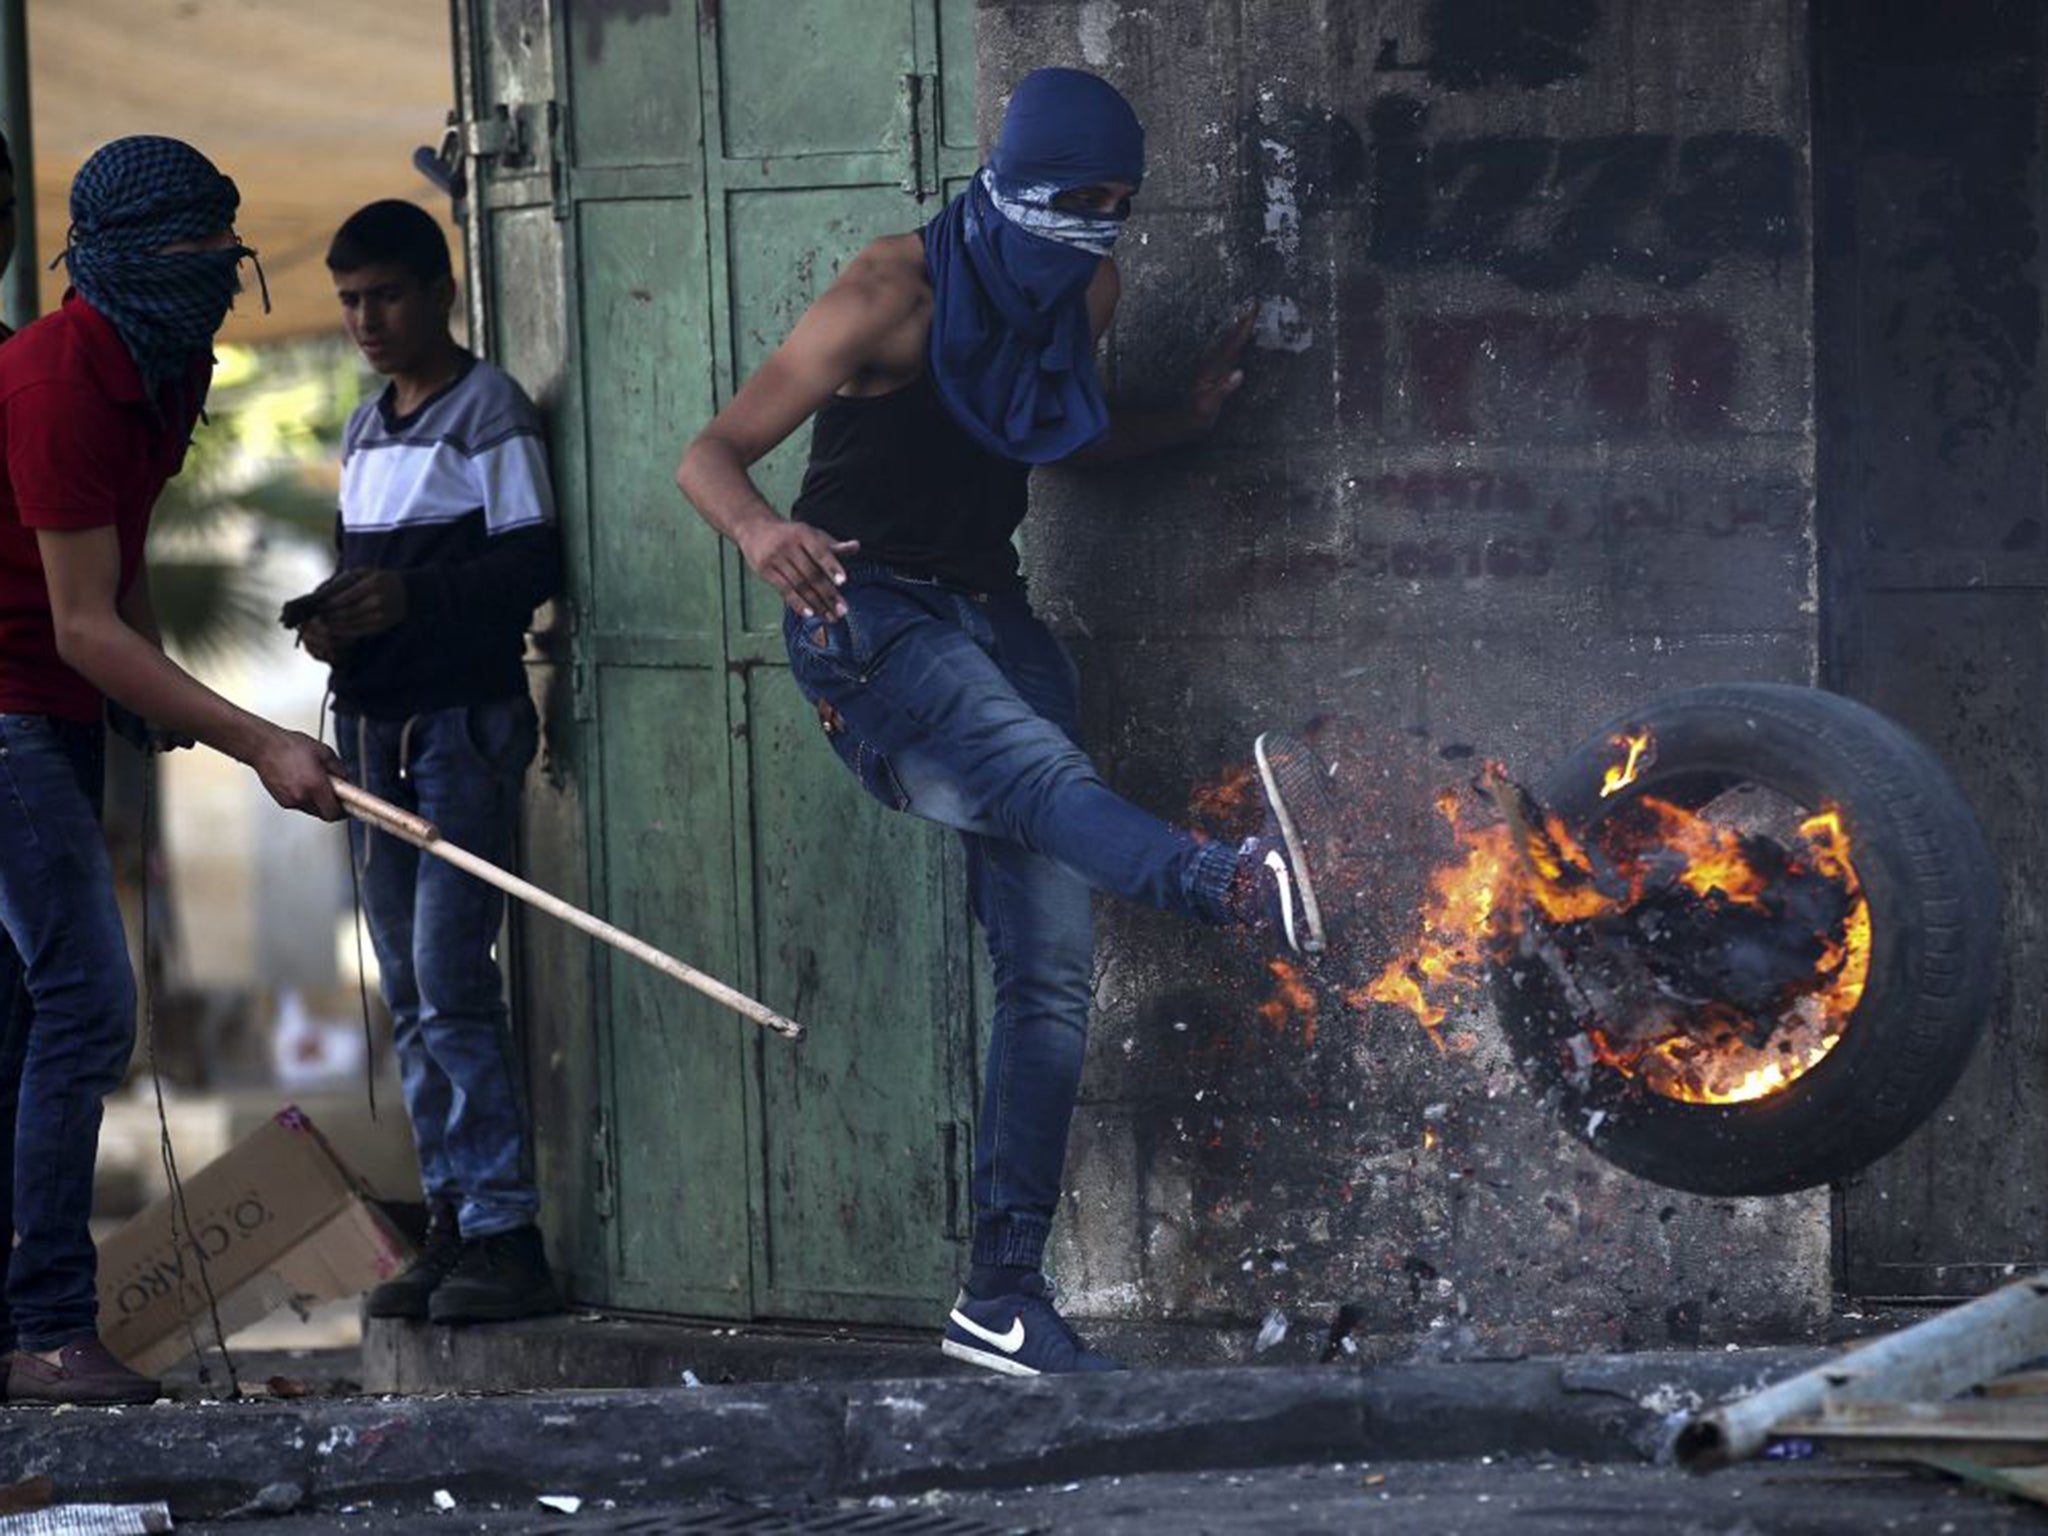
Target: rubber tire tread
[{"x": 1934, "y": 892}]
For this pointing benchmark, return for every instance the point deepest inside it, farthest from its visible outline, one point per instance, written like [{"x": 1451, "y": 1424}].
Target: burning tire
[{"x": 1781, "y": 1027}]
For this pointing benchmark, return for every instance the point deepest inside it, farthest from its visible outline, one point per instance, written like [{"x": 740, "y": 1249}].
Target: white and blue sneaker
[
  {"x": 1020, "y": 1334},
  {"x": 1283, "y": 863}
]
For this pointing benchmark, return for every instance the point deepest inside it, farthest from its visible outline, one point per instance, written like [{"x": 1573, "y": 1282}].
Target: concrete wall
[{"x": 1527, "y": 439}]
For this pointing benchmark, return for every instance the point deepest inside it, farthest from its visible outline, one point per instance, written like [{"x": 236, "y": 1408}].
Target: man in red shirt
[{"x": 97, "y": 404}]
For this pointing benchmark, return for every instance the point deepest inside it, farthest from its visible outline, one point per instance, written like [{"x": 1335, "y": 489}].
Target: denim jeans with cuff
[
  {"x": 67, "y": 1021},
  {"x": 962, "y": 708},
  {"x": 433, "y": 928}
]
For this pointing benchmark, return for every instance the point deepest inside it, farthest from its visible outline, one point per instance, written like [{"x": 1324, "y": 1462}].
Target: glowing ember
[
  {"x": 1291, "y": 1001},
  {"x": 1667, "y": 891},
  {"x": 1232, "y": 803},
  {"x": 1623, "y": 774}
]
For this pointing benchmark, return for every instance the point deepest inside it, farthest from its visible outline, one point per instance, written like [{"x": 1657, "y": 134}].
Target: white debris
[
  {"x": 1272, "y": 1331},
  {"x": 690, "y": 1379},
  {"x": 560, "y": 1503},
  {"x": 444, "y": 1501},
  {"x": 90, "y": 1520},
  {"x": 1281, "y": 326},
  {"x": 1095, "y": 22}
]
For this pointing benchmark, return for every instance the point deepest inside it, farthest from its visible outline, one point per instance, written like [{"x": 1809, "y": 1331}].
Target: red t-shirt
[{"x": 79, "y": 448}]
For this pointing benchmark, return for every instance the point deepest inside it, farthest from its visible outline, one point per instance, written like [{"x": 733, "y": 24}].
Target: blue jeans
[
  {"x": 433, "y": 928},
  {"x": 68, "y": 1028},
  {"x": 962, "y": 708}
]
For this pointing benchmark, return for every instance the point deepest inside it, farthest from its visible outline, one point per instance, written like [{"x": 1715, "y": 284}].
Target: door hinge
[
  {"x": 921, "y": 109},
  {"x": 558, "y": 161},
  {"x": 508, "y": 135},
  {"x": 582, "y": 691},
  {"x": 601, "y": 1166},
  {"x": 500, "y": 137},
  {"x": 956, "y": 1143}
]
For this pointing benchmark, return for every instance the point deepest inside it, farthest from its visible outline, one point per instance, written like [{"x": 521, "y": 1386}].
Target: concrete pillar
[{"x": 1527, "y": 439}]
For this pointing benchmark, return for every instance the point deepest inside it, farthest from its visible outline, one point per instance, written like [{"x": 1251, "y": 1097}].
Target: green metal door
[
  {"x": 710, "y": 169},
  {"x": 825, "y": 121}
]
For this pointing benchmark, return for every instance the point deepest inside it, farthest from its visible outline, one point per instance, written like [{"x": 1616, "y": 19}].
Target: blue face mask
[{"x": 1011, "y": 352}]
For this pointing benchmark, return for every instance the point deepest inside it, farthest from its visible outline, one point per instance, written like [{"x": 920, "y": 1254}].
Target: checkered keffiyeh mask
[{"x": 132, "y": 198}]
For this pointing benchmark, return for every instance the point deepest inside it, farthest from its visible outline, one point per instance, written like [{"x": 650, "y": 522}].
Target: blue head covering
[
  {"x": 133, "y": 197},
  {"x": 1011, "y": 353}
]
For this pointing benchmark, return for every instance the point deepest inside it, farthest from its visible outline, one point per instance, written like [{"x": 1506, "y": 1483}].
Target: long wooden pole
[{"x": 426, "y": 837}]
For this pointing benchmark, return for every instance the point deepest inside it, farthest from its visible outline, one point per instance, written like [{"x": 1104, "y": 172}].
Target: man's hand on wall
[{"x": 1218, "y": 375}]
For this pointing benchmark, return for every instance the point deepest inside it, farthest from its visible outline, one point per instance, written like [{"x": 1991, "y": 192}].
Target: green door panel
[
  {"x": 633, "y": 81},
  {"x": 647, "y": 379},
  {"x": 665, "y": 188},
  {"x": 854, "y": 908},
  {"x": 819, "y": 77},
  {"x": 680, "y": 1063},
  {"x": 956, "y": 75}
]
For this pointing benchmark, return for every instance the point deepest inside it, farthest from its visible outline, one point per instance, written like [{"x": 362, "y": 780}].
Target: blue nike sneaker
[{"x": 1020, "y": 1335}]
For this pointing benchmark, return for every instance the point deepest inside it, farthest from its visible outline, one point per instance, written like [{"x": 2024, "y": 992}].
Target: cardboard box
[{"x": 279, "y": 1221}]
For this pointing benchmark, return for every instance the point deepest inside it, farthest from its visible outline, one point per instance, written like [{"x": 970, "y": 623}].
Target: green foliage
[{"x": 231, "y": 505}]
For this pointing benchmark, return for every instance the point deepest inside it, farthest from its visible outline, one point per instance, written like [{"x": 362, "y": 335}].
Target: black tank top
[{"x": 897, "y": 472}]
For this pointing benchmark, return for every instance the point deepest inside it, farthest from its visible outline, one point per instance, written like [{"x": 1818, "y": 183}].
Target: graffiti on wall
[
  {"x": 1516, "y": 286},
  {"x": 1542, "y": 212},
  {"x": 1533, "y": 528},
  {"x": 1472, "y": 44}
]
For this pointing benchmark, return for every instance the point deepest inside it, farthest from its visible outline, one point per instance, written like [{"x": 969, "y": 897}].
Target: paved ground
[{"x": 1492, "y": 1498}]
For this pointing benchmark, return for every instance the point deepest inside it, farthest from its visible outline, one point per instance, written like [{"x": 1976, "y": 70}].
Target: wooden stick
[{"x": 425, "y": 836}]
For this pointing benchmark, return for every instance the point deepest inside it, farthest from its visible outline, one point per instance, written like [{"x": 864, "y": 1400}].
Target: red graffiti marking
[
  {"x": 1633, "y": 373},
  {"x": 1554, "y": 524}
]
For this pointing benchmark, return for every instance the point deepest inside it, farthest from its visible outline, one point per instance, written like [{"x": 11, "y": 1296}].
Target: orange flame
[
  {"x": 1291, "y": 1000},
  {"x": 1228, "y": 802},
  {"x": 1457, "y": 927},
  {"x": 1740, "y": 1073},
  {"x": 1477, "y": 908},
  {"x": 1623, "y": 774}
]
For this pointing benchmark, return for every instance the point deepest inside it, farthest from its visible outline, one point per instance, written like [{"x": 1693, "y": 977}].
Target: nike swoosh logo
[
  {"x": 1284, "y": 880},
  {"x": 1009, "y": 1343}
]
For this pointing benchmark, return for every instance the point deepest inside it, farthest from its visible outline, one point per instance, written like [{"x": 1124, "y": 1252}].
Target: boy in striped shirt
[{"x": 448, "y": 543}]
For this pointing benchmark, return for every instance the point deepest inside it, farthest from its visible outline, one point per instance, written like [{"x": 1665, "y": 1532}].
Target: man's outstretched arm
[{"x": 82, "y": 567}]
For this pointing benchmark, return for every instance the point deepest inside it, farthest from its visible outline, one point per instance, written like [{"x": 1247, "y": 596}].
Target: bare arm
[
  {"x": 82, "y": 567},
  {"x": 844, "y": 331},
  {"x": 138, "y": 609}
]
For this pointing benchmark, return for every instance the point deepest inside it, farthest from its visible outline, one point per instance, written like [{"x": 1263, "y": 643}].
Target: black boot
[
  {"x": 499, "y": 1277},
  {"x": 405, "y": 1293}
]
